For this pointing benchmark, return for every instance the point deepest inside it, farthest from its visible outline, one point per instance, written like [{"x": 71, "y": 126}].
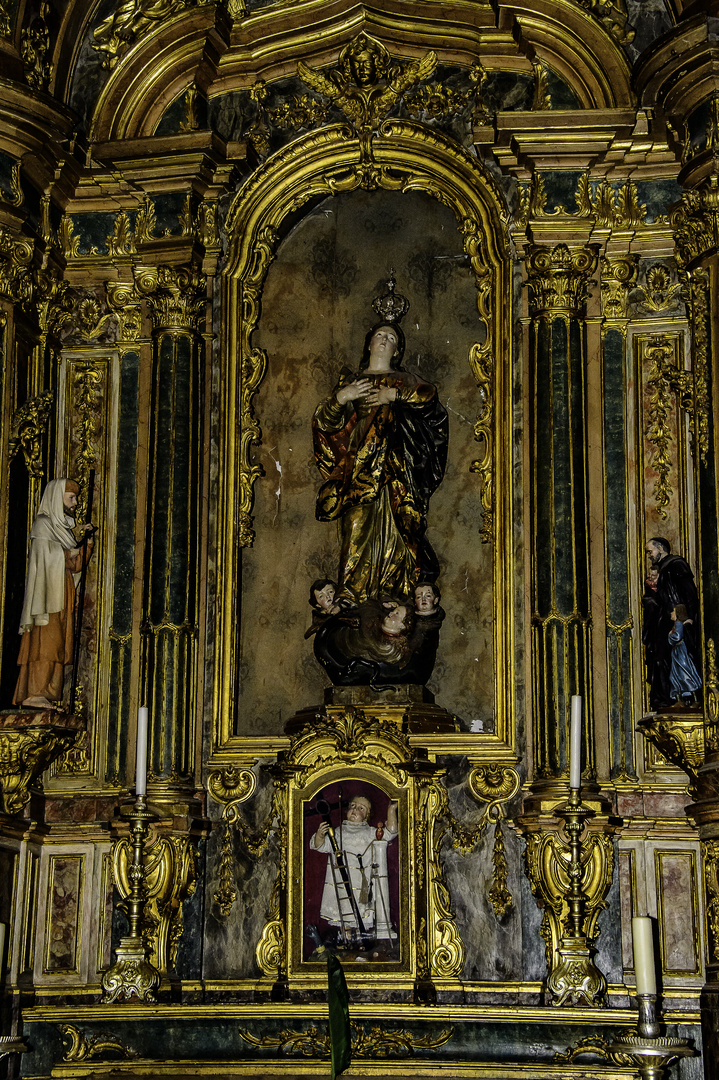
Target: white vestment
[
  {"x": 366, "y": 861},
  {"x": 51, "y": 536}
]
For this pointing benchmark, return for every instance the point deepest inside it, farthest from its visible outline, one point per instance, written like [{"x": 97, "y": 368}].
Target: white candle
[
  {"x": 643, "y": 943},
  {"x": 141, "y": 752},
  {"x": 575, "y": 744}
]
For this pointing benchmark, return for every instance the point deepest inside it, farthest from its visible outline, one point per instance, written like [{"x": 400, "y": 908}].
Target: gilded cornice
[
  {"x": 681, "y": 70},
  {"x": 574, "y": 43},
  {"x": 183, "y": 51},
  {"x": 558, "y": 277}
]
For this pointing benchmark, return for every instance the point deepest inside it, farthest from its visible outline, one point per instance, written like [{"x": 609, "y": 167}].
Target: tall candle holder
[
  {"x": 132, "y": 974},
  {"x": 648, "y": 1049},
  {"x": 575, "y": 979}
]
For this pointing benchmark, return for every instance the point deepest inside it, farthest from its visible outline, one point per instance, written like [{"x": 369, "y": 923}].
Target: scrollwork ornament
[
  {"x": 78, "y": 1047},
  {"x": 34, "y": 49},
  {"x": 5, "y": 28},
  {"x": 252, "y": 370},
  {"x": 711, "y": 719},
  {"x": 710, "y": 868},
  {"x": 16, "y": 283},
  {"x": 612, "y": 14},
  {"x": 232, "y": 784},
  {"x": 699, "y": 307},
  {"x": 27, "y": 428},
  {"x": 664, "y": 377},
  {"x": 377, "y": 1042}
]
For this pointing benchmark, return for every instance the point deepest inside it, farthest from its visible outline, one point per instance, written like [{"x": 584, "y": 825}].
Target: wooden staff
[{"x": 81, "y": 592}]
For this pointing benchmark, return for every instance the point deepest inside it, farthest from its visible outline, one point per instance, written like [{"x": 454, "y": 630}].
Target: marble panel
[
  {"x": 64, "y": 903},
  {"x": 626, "y": 873},
  {"x": 678, "y": 912}
]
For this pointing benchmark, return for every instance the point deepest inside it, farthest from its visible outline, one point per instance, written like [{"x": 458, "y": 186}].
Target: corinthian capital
[
  {"x": 618, "y": 277},
  {"x": 695, "y": 222},
  {"x": 558, "y": 277},
  {"x": 175, "y": 295}
]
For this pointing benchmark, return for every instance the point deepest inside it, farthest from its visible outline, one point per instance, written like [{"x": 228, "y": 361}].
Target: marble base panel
[{"x": 252, "y": 1040}]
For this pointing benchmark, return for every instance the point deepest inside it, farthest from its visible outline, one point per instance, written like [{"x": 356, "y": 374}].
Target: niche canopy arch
[{"x": 368, "y": 153}]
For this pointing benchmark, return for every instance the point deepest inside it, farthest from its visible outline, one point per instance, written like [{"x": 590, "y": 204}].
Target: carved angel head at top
[{"x": 364, "y": 61}]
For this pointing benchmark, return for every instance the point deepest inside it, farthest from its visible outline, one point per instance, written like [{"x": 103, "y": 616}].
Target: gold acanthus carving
[
  {"x": 27, "y": 428},
  {"x": 695, "y": 222},
  {"x": 542, "y": 99},
  {"x": 16, "y": 196},
  {"x": 26, "y": 751},
  {"x": 175, "y": 295},
  {"x": 697, "y": 289},
  {"x": 660, "y": 292},
  {"x": 664, "y": 378},
  {"x": 609, "y": 205},
  {"x": 121, "y": 241},
  {"x": 116, "y": 34},
  {"x": 710, "y": 873},
  {"x": 78, "y": 1047},
  {"x": 378, "y": 1042},
  {"x": 126, "y": 302},
  {"x": 367, "y": 82},
  {"x": 170, "y": 878},
  {"x": 558, "y": 277},
  {"x": 680, "y": 739},
  {"x": 34, "y": 49},
  {"x": 711, "y": 132},
  {"x": 5, "y": 28},
  {"x": 612, "y": 14},
  {"x": 16, "y": 256},
  {"x": 619, "y": 275}
]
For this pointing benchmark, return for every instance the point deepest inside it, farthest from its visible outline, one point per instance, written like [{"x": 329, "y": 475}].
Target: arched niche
[{"x": 284, "y": 198}]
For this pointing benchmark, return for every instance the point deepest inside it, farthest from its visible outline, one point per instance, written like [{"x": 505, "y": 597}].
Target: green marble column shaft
[
  {"x": 171, "y": 585},
  {"x": 561, "y": 643}
]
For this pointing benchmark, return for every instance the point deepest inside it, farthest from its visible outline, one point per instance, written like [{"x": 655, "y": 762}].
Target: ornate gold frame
[{"x": 402, "y": 156}]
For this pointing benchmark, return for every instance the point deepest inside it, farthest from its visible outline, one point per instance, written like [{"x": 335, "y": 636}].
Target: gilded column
[
  {"x": 561, "y": 645},
  {"x": 618, "y": 276},
  {"x": 175, "y": 297}
]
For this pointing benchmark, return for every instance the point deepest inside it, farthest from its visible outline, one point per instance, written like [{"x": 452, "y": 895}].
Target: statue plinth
[
  {"x": 30, "y": 740},
  {"x": 410, "y": 707}
]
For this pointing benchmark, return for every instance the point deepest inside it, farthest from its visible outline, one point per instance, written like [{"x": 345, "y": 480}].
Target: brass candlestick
[
  {"x": 575, "y": 979},
  {"x": 132, "y": 974},
  {"x": 648, "y": 1049}
]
